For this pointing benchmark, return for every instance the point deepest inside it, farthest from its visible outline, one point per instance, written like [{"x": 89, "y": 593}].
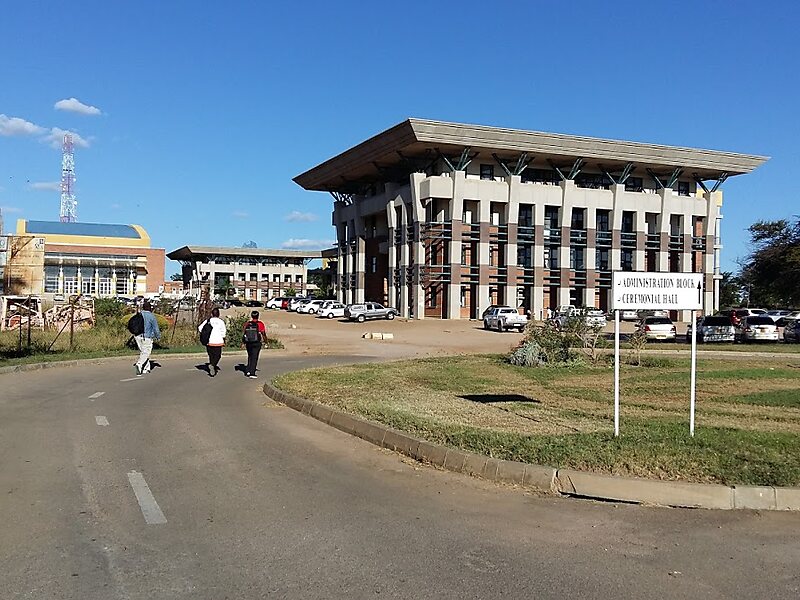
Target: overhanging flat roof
[
  {"x": 189, "y": 253},
  {"x": 419, "y": 139}
]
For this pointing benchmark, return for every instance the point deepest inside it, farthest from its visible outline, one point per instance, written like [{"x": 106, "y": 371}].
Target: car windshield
[
  {"x": 759, "y": 321},
  {"x": 716, "y": 321}
]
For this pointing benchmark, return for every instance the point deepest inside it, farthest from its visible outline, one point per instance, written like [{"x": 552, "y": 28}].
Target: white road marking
[
  {"x": 102, "y": 421},
  {"x": 130, "y": 379},
  {"x": 96, "y": 395},
  {"x": 150, "y": 509}
]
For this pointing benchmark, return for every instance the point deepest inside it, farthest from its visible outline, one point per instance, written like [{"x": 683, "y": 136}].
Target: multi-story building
[
  {"x": 444, "y": 219},
  {"x": 96, "y": 259},
  {"x": 249, "y": 273}
]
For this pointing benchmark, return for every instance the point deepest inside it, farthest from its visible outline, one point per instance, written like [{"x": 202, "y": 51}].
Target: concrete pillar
[
  {"x": 567, "y": 202},
  {"x": 456, "y": 212},
  {"x": 639, "y": 261},
  {"x": 616, "y": 227},
  {"x": 392, "y": 253},
  {"x": 512, "y": 220},
  {"x": 484, "y": 210},
  {"x": 417, "y": 218},
  {"x": 404, "y": 262},
  {"x": 538, "y": 261},
  {"x": 663, "y": 255}
]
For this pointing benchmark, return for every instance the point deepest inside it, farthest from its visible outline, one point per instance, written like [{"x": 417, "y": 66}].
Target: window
[
  {"x": 276, "y": 278},
  {"x": 634, "y": 184},
  {"x": 603, "y": 220},
  {"x": 547, "y": 176},
  {"x": 298, "y": 279},
  {"x": 374, "y": 264},
  {"x": 627, "y": 221},
  {"x": 594, "y": 181},
  {"x": 601, "y": 259},
  {"x": 287, "y": 279},
  {"x": 487, "y": 172},
  {"x": 626, "y": 259},
  {"x": 551, "y": 257},
  {"x": 576, "y": 259},
  {"x": 683, "y": 188},
  {"x": 551, "y": 217},
  {"x": 495, "y": 217},
  {"x": 578, "y": 218},
  {"x": 526, "y": 215}
]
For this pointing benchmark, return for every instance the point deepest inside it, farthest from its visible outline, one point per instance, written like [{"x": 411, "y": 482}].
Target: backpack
[
  {"x": 251, "y": 332},
  {"x": 205, "y": 332},
  {"x": 136, "y": 324}
]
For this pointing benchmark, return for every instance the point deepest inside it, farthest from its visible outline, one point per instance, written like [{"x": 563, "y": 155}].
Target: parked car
[
  {"x": 629, "y": 315},
  {"x": 593, "y": 317},
  {"x": 311, "y": 307},
  {"x": 253, "y": 304},
  {"x": 791, "y": 333},
  {"x": 658, "y": 328},
  {"x": 785, "y": 320},
  {"x": 331, "y": 309},
  {"x": 275, "y": 303},
  {"x": 657, "y": 312},
  {"x": 777, "y": 314},
  {"x": 716, "y": 328},
  {"x": 759, "y": 328},
  {"x": 294, "y": 303},
  {"x": 369, "y": 310},
  {"x": 737, "y": 314},
  {"x": 503, "y": 318},
  {"x": 488, "y": 310}
]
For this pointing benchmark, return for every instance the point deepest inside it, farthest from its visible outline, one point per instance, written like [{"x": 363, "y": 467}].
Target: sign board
[{"x": 668, "y": 291}]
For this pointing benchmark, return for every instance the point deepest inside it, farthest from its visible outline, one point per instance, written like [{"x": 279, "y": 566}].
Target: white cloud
[
  {"x": 115, "y": 206},
  {"x": 300, "y": 217},
  {"x": 76, "y": 106},
  {"x": 55, "y": 138},
  {"x": 240, "y": 214},
  {"x": 305, "y": 244},
  {"x": 15, "y": 126},
  {"x": 10, "y": 209},
  {"x": 49, "y": 186}
]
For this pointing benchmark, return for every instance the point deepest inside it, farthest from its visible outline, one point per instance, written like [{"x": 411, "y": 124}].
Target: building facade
[
  {"x": 97, "y": 259},
  {"x": 248, "y": 273},
  {"x": 444, "y": 219}
]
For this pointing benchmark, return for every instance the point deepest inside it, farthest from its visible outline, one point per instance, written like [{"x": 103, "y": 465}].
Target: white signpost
[{"x": 656, "y": 291}]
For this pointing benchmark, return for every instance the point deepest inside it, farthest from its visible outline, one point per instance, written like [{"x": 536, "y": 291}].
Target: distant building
[
  {"x": 101, "y": 260},
  {"x": 248, "y": 273},
  {"x": 443, "y": 219}
]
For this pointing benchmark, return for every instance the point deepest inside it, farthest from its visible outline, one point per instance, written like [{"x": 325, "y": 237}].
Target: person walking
[
  {"x": 255, "y": 332},
  {"x": 216, "y": 340},
  {"x": 144, "y": 340}
]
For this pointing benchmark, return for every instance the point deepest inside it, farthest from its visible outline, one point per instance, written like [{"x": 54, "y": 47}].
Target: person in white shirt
[{"x": 215, "y": 341}]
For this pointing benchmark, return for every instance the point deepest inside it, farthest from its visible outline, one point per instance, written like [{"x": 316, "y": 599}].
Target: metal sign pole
[
  {"x": 693, "y": 376},
  {"x": 616, "y": 373}
]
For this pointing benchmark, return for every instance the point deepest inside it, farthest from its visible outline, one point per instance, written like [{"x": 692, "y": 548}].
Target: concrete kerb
[
  {"x": 549, "y": 479},
  {"x": 99, "y": 361}
]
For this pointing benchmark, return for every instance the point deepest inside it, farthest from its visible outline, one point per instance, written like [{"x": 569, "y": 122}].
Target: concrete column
[
  {"x": 456, "y": 212},
  {"x": 538, "y": 261},
  {"x": 61, "y": 279},
  {"x": 404, "y": 262},
  {"x": 484, "y": 210},
  {"x": 616, "y": 227},
  {"x": 663, "y": 255},
  {"x": 713, "y": 238},
  {"x": 512, "y": 220},
  {"x": 417, "y": 218},
  {"x": 567, "y": 202},
  {"x": 591, "y": 256},
  {"x": 392, "y": 252},
  {"x": 641, "y": 238}
]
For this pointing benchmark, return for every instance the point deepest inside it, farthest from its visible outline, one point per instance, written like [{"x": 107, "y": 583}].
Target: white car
[
  {"x": 777, "y": 314},
  {"x": 275, "y": 302},
  {"x": 760, "y": 328},
  {"x": 629, "y": 315},
  {"x": 658, "y": 328},
  {"x": 331, "y": 310},
  {"x": 295, "y": 303},
  {"x": 311, "y": 307}
]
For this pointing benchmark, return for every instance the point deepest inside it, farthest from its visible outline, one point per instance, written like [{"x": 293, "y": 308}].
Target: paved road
[{"x": 260, "y": 501}]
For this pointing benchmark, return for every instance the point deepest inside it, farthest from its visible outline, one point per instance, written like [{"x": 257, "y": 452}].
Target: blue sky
[{"x": 206, "y": 112}]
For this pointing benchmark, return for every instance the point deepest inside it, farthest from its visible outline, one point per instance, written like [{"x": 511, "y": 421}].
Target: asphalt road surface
[{"x": 176, "y": 485}]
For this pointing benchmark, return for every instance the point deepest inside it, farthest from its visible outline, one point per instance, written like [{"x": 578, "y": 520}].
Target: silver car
[
  {"x": 717, "y": 328},
  {"x": 758, "y": 329},
  {"x": 369, "y": 310}
]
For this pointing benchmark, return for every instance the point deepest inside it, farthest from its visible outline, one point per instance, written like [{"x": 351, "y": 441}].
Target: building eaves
[{"x": 187, "y": 252}]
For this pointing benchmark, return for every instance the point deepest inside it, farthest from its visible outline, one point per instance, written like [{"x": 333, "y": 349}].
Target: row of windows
[{"x": 276, "y": 278}]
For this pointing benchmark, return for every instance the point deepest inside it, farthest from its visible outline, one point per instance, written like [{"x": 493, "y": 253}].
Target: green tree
[
  {"x": 224, "y": 288},
  {"x": 730, "y": 290},
  {"x": 291, "y": 292},
  {"x": 771, "y": 271},
  {"x": 176, "y": 277},
  {"x": 323, "y": 279}
]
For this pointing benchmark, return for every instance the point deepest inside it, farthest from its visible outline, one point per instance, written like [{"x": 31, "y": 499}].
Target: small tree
[
  {"x": 638, "y": 341},
  {"x": 586, "y": 336},
  {"x": 291, "y": 292}
]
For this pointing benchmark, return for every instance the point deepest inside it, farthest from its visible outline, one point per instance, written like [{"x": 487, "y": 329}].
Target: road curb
[
  {"x": 100, "y": 360},
  {"x": 565, "y": 482}
]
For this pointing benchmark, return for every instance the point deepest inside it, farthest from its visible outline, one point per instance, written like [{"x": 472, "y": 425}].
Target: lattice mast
[{"x": 69, "y": 205}]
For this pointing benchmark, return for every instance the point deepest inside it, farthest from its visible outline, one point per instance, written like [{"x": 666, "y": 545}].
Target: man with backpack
[
  {"x": 254, "y": 334},
  {"x": 144, "y": 327}
]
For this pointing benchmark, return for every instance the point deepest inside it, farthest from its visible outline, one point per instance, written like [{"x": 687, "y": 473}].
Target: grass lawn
[{"x": 748, "y": 414}]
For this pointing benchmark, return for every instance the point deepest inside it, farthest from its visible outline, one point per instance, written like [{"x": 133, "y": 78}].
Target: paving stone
[
  {"x": 490, "y": 471},
  {"x": 756, "y": 498},
  {"x": 342, "y": 422},
  {"x": 454, "y": 461},
  {"x": 509, "y": 471},
  {"x": 540, "y": 477},
  {"x": 432, "y": 453},
  {"x": 474, "y": 464},
  {"x": 321, "y": 413},
  {"x": 787, "y": 498}
]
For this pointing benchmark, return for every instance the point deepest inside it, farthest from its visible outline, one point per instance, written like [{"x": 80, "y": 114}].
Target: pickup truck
[
  {"x": 369, "y": 310},
  {"x": 503, "y": 318}
]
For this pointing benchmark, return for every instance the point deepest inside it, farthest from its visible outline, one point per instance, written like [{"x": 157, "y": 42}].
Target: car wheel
[
  {"x": 361, "y": 318},
  {"x": 485, "y": 325},
  {"x": 330, "y": 315},
  {"x": 390, "y": 316}
]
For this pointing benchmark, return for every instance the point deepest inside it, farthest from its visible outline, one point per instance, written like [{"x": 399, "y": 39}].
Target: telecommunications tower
[{"x": 69, "y": 205}]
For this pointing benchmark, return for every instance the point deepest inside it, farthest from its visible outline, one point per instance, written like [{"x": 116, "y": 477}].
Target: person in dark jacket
[
  {"x": 145, "y": 340},
  {"x": 255, "y": 332}
]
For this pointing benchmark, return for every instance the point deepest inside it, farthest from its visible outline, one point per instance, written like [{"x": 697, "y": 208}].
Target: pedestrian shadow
[
  {"x": 204, "y": 367},
  {"x": 242, "y": 368},
  {"x": 155, "y": 365},
  {"x": 492, "y": 398}
]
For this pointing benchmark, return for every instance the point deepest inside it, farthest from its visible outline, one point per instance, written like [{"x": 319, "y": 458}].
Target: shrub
[
  {"x": 544, "y": 345},
  {"x": 527, "y": 354},
  {"x": 108, "y": 308}
]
